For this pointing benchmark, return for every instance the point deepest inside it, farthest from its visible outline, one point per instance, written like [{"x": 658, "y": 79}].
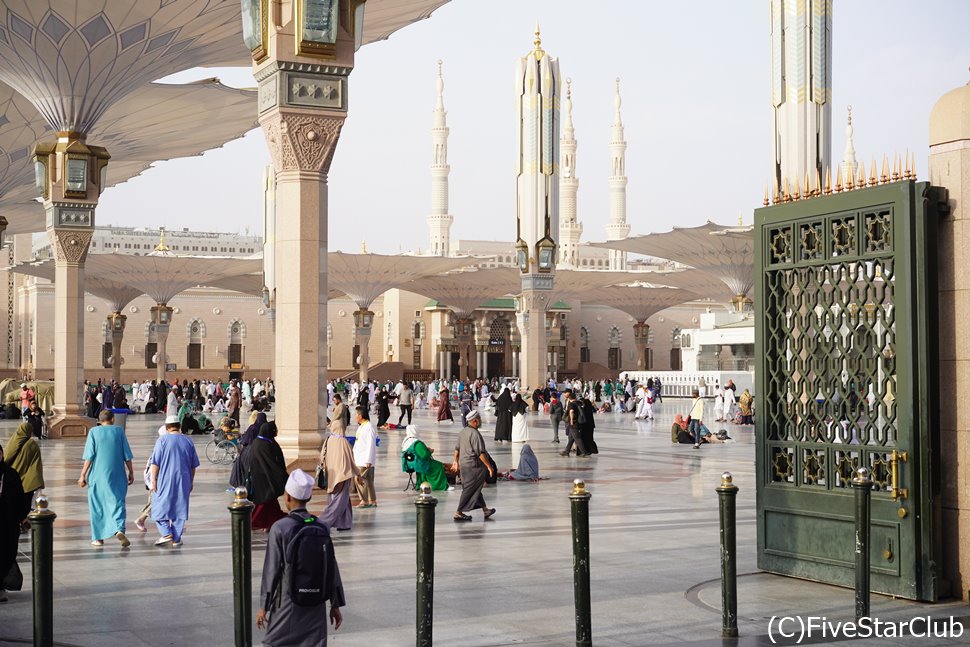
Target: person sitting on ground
[
  {"x": 605, "y": 407},
  {"x": 189, "y": 424},
  {"x": 679, "y": 433},
  {"x": 417, "y": 456},
  {"x": 528, "y": 469}
]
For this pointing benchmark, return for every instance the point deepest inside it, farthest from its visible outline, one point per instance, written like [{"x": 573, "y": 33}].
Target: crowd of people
[{"x": 347, "y": 459}]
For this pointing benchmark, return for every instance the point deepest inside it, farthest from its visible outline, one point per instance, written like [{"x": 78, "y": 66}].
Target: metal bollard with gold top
[
  {"x": 727, "y": 494},
  {"x": 42, "y": 561},
  {"x": 579, "y": 502},
  {"x": 241, "y": 510},
  {"x": 425, "y": 504},
  {"x": 863, "y": 494}
]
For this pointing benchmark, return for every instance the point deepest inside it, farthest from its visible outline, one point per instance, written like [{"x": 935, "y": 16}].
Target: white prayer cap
[
  {"x": 472, "y": 415},
  {"x": 172, "y": 419},
  {"x": 299, "y": 485},
  {"x": 411, "y": 431}
]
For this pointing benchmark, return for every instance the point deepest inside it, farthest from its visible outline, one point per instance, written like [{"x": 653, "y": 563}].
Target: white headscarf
[{"x": 410, "y": 437}]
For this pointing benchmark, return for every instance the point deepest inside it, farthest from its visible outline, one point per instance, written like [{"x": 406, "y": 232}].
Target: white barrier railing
[{"x": 681, "y": 384}]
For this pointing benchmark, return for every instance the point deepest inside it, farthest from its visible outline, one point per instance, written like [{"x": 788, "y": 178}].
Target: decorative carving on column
[
  {"x": 302, "y": 142},
  {"x": 70, "y": 245}
]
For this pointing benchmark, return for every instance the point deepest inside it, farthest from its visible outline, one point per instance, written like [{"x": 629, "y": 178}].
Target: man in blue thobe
[
  {"x": 173, "y": 464},
  {"x": 106, "y": 456}
]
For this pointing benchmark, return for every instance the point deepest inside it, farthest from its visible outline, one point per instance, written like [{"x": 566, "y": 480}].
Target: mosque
[{"x": 225, "y": 332}]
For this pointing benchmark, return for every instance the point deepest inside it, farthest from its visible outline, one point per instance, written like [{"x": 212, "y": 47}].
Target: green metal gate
[{"x": 846, "y": 377}]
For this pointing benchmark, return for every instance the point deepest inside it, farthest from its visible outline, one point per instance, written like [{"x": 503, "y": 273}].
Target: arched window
[
  {"x": 237, "y": 332},
  {"x": 584, "y": 344},
  {"x": 614, "y": 354},
  {"x": 195, "y": 331}
]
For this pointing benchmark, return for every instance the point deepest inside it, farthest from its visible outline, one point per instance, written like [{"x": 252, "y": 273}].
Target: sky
[{"x": 695, "y": 81}]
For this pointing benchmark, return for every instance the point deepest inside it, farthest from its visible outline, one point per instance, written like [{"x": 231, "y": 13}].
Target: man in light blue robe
[
  {"x": 106, "y": 455},
  {"x": 173, "y": 464}
]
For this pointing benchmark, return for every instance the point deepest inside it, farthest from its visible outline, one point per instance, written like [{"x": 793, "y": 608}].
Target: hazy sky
[{"x": 695, "y": 79}]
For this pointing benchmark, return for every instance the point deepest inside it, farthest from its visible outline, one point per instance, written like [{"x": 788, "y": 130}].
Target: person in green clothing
[
  {"x": 426, "y": 468},
  {"x": 23, "y": 454},
  {"x": 608, "y": 390}
]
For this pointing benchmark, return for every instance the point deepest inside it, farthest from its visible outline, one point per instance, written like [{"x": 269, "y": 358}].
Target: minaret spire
[
  {"x": 617, "y": 228},
  {"x": 849, "y": 165},
  {"x": 570, "y": 229},
  {"x": 439, "y": 221}
]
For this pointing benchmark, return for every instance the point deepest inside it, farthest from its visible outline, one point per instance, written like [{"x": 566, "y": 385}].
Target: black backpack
[
  {"x": 580, "y": 413},
  {"x": 307, "y": 555}
]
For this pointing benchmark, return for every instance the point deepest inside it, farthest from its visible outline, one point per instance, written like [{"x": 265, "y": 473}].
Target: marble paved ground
[{"x": 508, "y": 581}]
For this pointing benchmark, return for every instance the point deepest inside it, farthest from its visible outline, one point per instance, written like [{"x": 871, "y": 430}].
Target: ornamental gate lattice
[{"x": 846, "y": 377}]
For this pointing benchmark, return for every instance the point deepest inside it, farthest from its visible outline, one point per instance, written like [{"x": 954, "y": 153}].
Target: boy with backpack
[{"x": 299, "y": 574}]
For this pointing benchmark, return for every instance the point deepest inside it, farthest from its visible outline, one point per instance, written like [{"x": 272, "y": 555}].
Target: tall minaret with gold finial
[
  {"x": 570, "y": 229},
  {"x": 617, "y": 228},
  {"x": 537, "y": 205},
  {"x": 849, "y": 166},
  {"x": 439, "y": 221},
  {"x": 801, "y": 88}
]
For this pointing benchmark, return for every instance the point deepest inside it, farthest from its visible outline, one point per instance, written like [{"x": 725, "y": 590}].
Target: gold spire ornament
[
  {"x": 828, "y": 181},
  {"x": 538, "y": 44},
  {"x": 363, "y": 247},
  {"x": 895, "y": 174},
  {"x": 161, "y": 246},
  {"x": 884, "y": 176},
  {"x": 860, "y": 182},
  {"x": 912, "y": 174},
  {"x": 787, "y": 195},
  {"x": 818, "y": 184},
  {"x": 776, "y": 198},
  {"x": 906, "y": 172},
  {"x": 765, "y": 202},
  {"x": 873, "y": 180},
  {"x": 798, "y": 194}
]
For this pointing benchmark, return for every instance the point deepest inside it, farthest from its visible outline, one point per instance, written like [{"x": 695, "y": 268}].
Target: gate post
[
  {"x": 241, "y": 511},
  {"x": 425, "y": 504},
  {"x": 727, "y": 494},
  {"x": 42, "y": 560},
  {"x": 863, "y": 493},
  {"x": 579, "y": 502}
]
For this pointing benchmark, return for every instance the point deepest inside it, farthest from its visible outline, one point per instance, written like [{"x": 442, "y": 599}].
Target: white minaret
[
  {"x": 570, "y": 229},
  {"x": 537, "y": 205},
  {"x": 801, "y": 88},
  {"x": 439, "y": 221},
  {"x": 617, "y": 228},
  {"x": 849, "y": 167}
]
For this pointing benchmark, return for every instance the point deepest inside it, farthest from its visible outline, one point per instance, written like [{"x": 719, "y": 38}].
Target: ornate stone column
[
  {"x": 363, "y": 323},
  {"x": 302, "y": 75},
  {"x": 116, "y": 324},
  {"x": 533, "y": 353},
  {"x": 641, "y": 338},
  {"x": 162, "y": 319},
  {"x": 463, "y": 329},
  {"x": 71, "y": 175}
]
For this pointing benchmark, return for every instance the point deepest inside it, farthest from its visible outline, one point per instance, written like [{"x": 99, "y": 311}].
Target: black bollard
[
  {"x": 42, "y": 560},
  {"x": 241, "y": 510},
  {"x": 863, "y": 493},
  {"x": 727, "y": 497},
  {"x": 579, "y": 502},
  {"x": 425, "y": 504}
]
